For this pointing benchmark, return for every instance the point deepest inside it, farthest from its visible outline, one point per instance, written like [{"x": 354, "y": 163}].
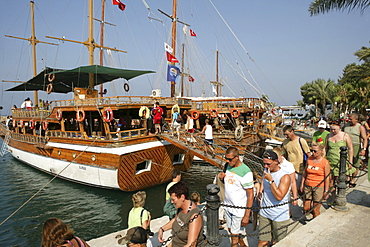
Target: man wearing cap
[
  {"x": 238, "y": 180},
  {"x": 135, "y": 237},
  {"x": 320, "y": 135},
  {"x": 276, "y": 191}
]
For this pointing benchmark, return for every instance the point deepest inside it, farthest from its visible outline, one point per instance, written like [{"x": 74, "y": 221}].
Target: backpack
[{"x": 179, "y": 118}]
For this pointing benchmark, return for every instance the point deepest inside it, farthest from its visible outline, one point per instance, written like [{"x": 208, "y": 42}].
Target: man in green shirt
[{"x": 320, "y": 135}]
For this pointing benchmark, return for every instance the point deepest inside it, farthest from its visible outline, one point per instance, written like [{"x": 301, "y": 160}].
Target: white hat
[{"x": 322, "y": 124}]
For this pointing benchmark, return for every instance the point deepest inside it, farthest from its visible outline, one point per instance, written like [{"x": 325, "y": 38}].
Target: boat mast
[
  {"x": 101, "y": 52},
  {"x": 33, "y": 42},
  {"x": 182, "y": 69},
  {"x": 174, "y": 20},
  {"x": 217, "y": 83}
]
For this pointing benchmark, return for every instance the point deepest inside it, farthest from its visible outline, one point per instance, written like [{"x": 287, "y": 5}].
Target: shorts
[
  {"x": 234, "y": 223},
  {"x": 157, "y": 120},
  {"x": 208, "y": 141},
  {"x": 190, "y": 130},
  {"x": 269, "y": 226},
  {"x": 313, "y": 192}
]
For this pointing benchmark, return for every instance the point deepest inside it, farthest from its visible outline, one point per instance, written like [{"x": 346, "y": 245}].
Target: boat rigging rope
[{"x": 43, "y": 187}]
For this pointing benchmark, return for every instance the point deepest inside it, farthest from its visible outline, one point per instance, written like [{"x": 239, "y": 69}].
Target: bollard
[
  {"x": 213, "y": 203},
  {"x": 341, "y": 200}
]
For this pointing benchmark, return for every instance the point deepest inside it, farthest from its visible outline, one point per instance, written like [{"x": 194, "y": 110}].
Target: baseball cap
[
  {"x": 269, "y": 154},
  {"x": 135, "y": 235},
  {"x": 322, "y": 124}
]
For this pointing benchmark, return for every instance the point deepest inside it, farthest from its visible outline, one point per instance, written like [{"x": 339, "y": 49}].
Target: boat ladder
[{"x": 5, "y": 147}]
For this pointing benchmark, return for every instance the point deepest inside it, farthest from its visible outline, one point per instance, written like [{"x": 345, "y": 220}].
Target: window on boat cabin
[
  {"x": 144, "y": 166},
  {"x": 178, "y": 158}
]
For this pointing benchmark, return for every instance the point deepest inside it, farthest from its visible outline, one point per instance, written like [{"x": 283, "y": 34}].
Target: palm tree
[
  {"x": 322, "y": 6},
  {"x": 363, "y": 54}
]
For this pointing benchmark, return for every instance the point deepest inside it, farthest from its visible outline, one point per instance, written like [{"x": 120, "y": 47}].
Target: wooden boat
[{"x": 105, "y": 141}]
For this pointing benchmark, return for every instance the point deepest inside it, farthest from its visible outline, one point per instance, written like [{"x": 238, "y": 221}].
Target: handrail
[
  {"x": 28, "y": 138},
  {"x": 33, "y": 113}
]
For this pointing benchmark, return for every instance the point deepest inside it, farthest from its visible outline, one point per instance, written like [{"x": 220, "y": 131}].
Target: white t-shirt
[
  {"x": 237, "y": 180},
  {"x": 287, "y": 166}
]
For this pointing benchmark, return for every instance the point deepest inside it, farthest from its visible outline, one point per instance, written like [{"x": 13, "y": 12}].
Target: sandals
[{"x": 351, "y": 185}]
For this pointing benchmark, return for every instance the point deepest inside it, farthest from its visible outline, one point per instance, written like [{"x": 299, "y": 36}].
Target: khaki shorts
[
  {"x": 267, "y": 225},
  {"x": 313, "y": 192}
]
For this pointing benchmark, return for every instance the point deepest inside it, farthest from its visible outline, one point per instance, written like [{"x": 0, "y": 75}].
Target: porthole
[{"x": 93, "y": 157}]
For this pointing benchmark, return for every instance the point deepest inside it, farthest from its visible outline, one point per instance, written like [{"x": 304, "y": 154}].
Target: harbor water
[{"x": 91, "y": 212}]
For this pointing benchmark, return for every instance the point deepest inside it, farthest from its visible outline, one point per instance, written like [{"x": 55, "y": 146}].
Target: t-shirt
[
  {"x": 135, "y": 215},
  {"x": 315, "y": 172},
  {"x": 237, "y": 180},
  {"x": 167, "y": 188},
  {"x": 319, "y": 137},
  {"x": 294, "y": 152},
  {"x": 287, "y": 166}
]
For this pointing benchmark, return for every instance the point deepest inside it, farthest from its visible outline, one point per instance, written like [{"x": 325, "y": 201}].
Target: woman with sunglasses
[
  {"x": 336, "y": 139},
  {"x": 315, "y": 180}
]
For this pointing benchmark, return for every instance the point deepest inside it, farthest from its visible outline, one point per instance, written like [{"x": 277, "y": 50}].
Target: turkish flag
[
  {"x": 192, "y": 33},
  {"x": 191, "y": 79},
  {"x": 171, "y": 58},
  {"x": 116, "y": 2},
  {"x": 121, "y": 6}
]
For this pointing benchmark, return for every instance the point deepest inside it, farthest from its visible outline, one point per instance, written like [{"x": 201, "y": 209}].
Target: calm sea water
[{"x": 90, "y": 211}]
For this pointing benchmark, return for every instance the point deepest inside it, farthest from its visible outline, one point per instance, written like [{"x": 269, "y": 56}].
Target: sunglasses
[
  {"x": 230, "y": 159},
  {"x": 267, "y": 164},
  {"x": 314, "y": 151}
]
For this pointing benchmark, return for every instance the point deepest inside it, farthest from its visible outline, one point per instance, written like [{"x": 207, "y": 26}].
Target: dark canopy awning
[{"x": 66, "y": 80}]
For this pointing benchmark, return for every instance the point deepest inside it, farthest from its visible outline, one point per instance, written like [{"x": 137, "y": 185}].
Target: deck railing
[
  {"x": 33, "y": 113},
  {"x": 119, "y": 100},
  {"x": 28, "y": 138},
  {"x": 228, "y": 104}
]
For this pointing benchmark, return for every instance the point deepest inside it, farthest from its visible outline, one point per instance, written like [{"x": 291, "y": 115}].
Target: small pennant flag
[
  {"x": 192, "y": 33},
  {"x": 191, "y": 79},
  {"x": 121, "y": 6},
  {"x": 171, "y": 58},
  {"x": 168, "y": 48}
]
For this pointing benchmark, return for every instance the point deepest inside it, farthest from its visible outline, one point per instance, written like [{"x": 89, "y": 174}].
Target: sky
[{"x": 265, "y": 47}]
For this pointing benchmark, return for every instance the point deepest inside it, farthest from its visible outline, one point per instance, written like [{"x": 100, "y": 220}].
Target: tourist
[
  {"x": 189, "y": 127},
  {"x": 157, "y": 117},
  {"x": 238, "y": 180},
  {"x": 289, "y": 168},
  {"x": 336, "y": 139},
  {"x": 41, "y": 104},
  {"x": 169, "y": 209},
  {"x": 276, "y": 190},
  {"x": 176, "y": 122},
  {"x": 187, "y": 219},
  {"x": 296, "y": 151},
  {"x": 208, "y": 139},
  {"x": 320, "y": 135},
  {"x": 138, "y": 215},
  {"x": 57, "y": 234},
  {"x": 136, "y": 237},
  {"x": 358, "y": 136},
  {"x": 315, "y": 180}
]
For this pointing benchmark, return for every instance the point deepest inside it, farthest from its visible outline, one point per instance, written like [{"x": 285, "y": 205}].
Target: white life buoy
[
  {"x": 80, "y": 115},
  {"x": 59, "y": 114},
  {"x": 250, "y": 104},
  {"x": 173, "y": 108},
  {"x": 238, "y": 133},
  {"x": 144, "y": 112}
]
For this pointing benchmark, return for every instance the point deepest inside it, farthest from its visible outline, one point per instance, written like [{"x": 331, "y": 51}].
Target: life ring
[
  {"x": 257, "y": 106},
  {"x": 235, "y": 113},
  {"x": 21, "y": 123},
  {"x": 194, "y": 115},
  {"x": 144, "y": 112},
  {"x": 45, "y": 125},
  {"x": 126, "y": 87},
  {"x": 173, "y": 108},
  {"x": 32, "y": 124},
  {"x": 49, "y": 88},
  {"x": 214, "y": 113},
  {"x": 80, "y": 115},
  {"x": 262, "y": 105},
  {"x": 59, "y": 114},
  {"x": 108, "y": 115},
  {"x": 250, "y": 104},
  {"x": 51, "y": 77},
  {"x": 238, "y": 133}
]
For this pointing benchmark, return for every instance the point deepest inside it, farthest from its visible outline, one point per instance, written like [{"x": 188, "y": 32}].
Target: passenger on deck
[
  {"x": 191, "y": 233},
  {"x": 157, "y": 119},
  {"x": 57, "y": 234},
  {"x": 208, "y": 139}
]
